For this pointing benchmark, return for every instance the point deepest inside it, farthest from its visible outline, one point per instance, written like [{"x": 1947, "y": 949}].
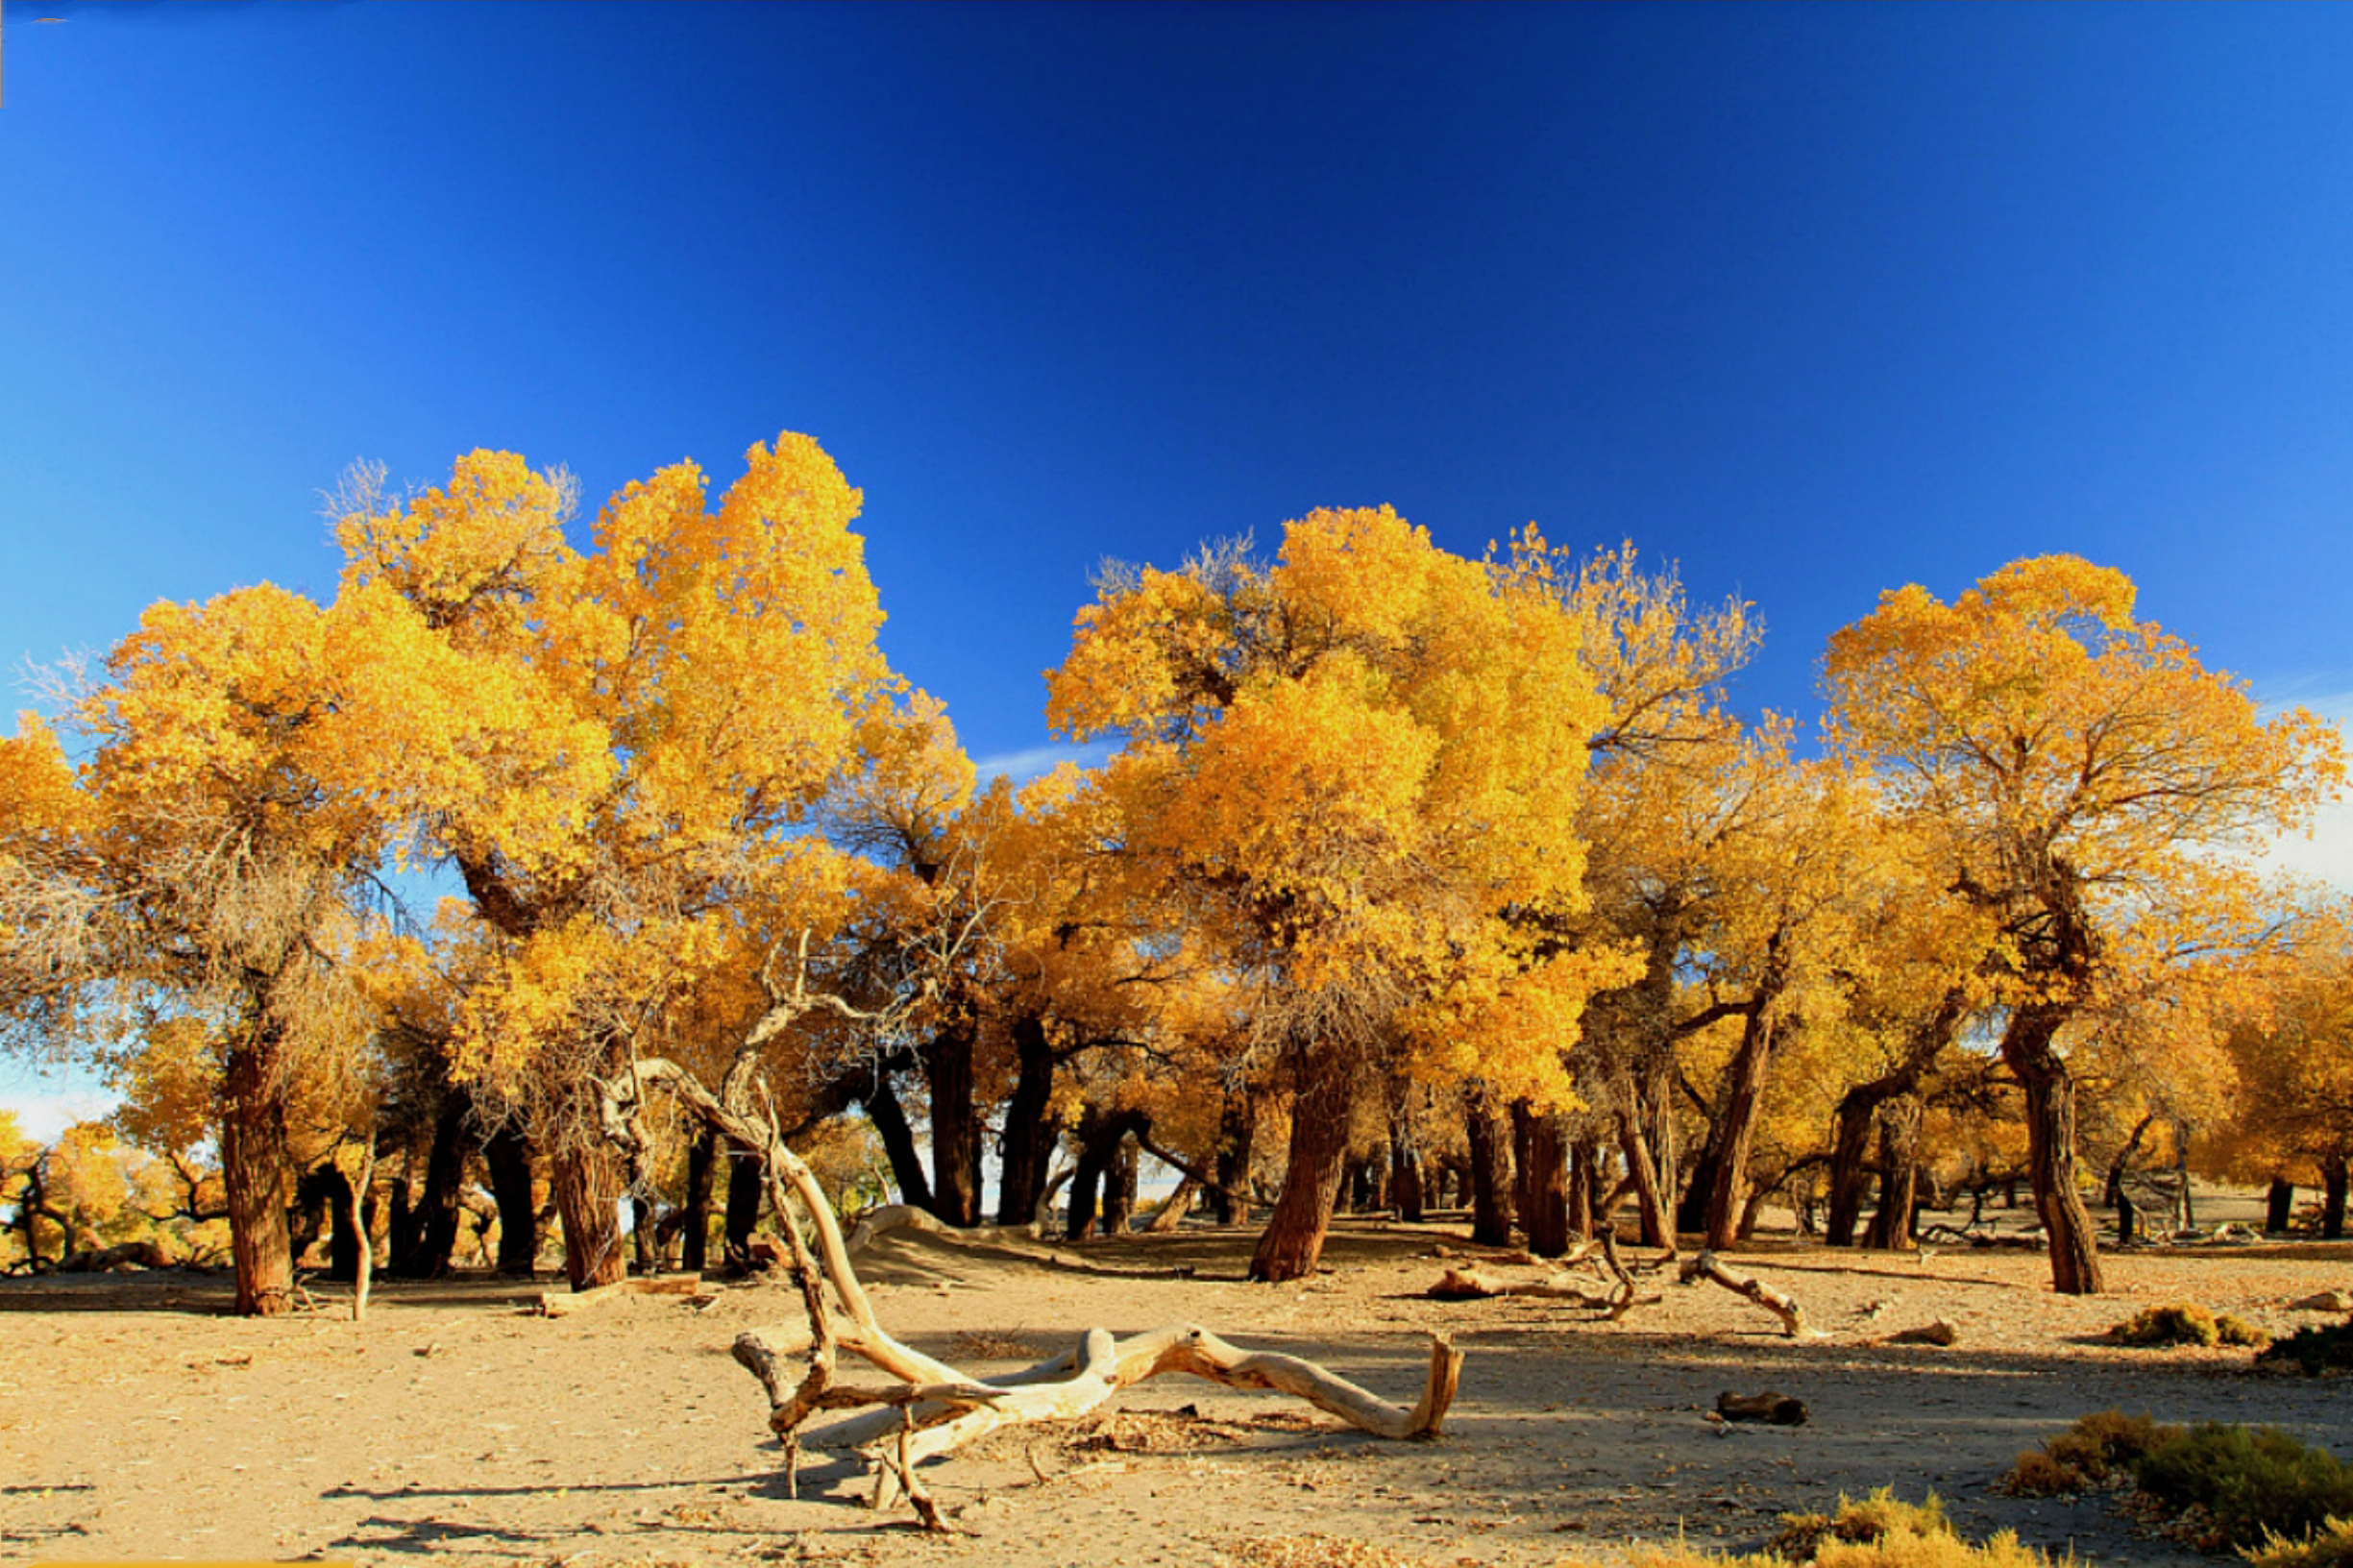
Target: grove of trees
[{"x": 1412, "y": 881}]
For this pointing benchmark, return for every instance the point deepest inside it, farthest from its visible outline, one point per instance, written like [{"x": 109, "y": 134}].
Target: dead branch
[
  {"x": 565, "y": 1303},
  {"x": 1705, "y": 1266}
]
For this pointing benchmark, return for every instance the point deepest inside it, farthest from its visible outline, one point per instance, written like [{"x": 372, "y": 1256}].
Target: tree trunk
[
  {"x": 1293, "y": 1242},
  {"x": 1027, "y": 1146},
  {"x": 434, "y": 1217},
  {"x": 1406, "y": 1173},
  {"x": 1891, "y": 1226},
  {"x": 744, "y": 1191},
  {"x": 258, "y": 1175},
  {"x": 1523, "y": 1155},
  {"x": 1740, "y": 1104},
  {"x": 889, "y": 1119},
  {"x": 588, "y": 1198},
  {"x": 2333, "y": 1183},
  {"x": 1490, "y": 1174},
  {"x": 1657, "y": 1226},
  {"x": 1585, "y": 1172},
  {"x": 2050, "y": 1146},
  {"x": 1119, "y": 1187},
  {"x": 694, "y": 1223},
  {"x": 1237, "y": 1132},
  {"x": 509, "y": 1159},
  {"x": 955, "y": 1127},
  {"x": 2279, "y": 1206},
  {"x": 332, "y": 1188},
  {"x": 1548, "y": 1186}
]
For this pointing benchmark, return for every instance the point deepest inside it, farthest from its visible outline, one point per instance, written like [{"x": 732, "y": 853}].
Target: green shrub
[
  {"x": 2313, "y": 1350},
  {"x": 2099, "y": 1449},
  {"x": 2226, "y": 1485},
  {"x": 2185, "y": 1323}
]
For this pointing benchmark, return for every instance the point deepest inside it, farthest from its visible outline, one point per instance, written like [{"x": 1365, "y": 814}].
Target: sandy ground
[{"x": 138, "y": 1422}]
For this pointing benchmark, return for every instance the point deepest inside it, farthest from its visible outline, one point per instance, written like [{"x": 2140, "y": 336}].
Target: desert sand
[{"x": 451, "y": 1427}]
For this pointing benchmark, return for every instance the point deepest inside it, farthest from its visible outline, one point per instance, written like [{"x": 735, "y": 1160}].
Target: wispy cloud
[
  {"x": 1039, "y": 759},
  {"x": 2326, "y": 855},
  {"x": 47, "y": 1103}
]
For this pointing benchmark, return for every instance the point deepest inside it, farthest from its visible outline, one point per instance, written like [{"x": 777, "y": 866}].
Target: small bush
[
  {"x": 2331, "y": 1548},
  {"x": 2185, "y": 1323},
  {"x": 2099, "y": 1449},
  {"x": 1880, "y": 1531},
  {"x": 2235, "y": 1486},
  {"x": 2312, "y": 1351}
]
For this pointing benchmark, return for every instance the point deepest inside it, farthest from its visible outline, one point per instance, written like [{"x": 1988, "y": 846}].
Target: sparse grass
[
  {"x": 2185, "y": 1323},
  {"x": 2313, "y": 1350}
]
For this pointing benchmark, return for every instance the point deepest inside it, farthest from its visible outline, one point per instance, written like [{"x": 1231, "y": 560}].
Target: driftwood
[
  {"x": 121, "y": 1255},
  {"x": 1472, "y": 1285},
  {"x": 565, "y": 1302},
  {"x": 1705, "y": 1266},
  {"x": 931, "y": 1408},
  {"x": 1779, "y": 1409},
  {"x": 1939, "y": 1333}
]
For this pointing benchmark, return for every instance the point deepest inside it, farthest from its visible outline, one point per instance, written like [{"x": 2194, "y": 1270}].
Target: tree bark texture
[
  {"x": 257, "y": 1174},
  {"x": 1237, "y": 1134},
  {"x": 695, "y": 1224},
  {"x": 1891, "y": 1224},
  {"x": 588, "y": 1198},
  {"x": 1547, "y": 1186},
  {"x": 743, "y": 1215},
  {"x": 1293, "y": 1242},
  {"x": 1491, "y": 1212},
  {"x": 955, "y": 1126},
  {"x": 2050, "y": 1146}
]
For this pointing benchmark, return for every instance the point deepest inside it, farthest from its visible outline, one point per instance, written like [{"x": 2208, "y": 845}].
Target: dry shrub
[
  {"x": 2185, "y": 1323},
  {"x": 2330, "y": 1547},
  {"x": 984, "y": 1345},
  {"x": 2312, "y": 1351},
  {"x": 1879, "y": 1531},
  {"x": 1312, "y": 1551},
  {"x": 2097, "y": 1449}
]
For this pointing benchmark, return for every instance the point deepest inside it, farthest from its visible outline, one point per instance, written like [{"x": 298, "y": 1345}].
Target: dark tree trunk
[
  {"x": 1548, "y": 1186},
  {"x": 2050, "y": 1146},
  {"x": 1027, "y": 1145},
  {"x": 1849, "y": 1180},
  {"x": 1891, "y": 1225},
  {"x": 332, "y": 1191},
  {"x": 1522, "y": 1160},
  {"x": 588, "y": 1198},
  {"x": 2279, "y": 1206},
  {"x": 1490, "y": 1173},
  {"x": 1406, "y": 1173},
  {"x": 1119, "y": 1188},
  {"x": 1237, "y": 1132},
  {"x": 744, "y": 1191},
  {"x": 509, "y": 1159},
  {"x": 1740, "y": 1104},
  {"x": 434, "y": 1216},
  {"x": 2332, "y": 1183},
  {"x": 644, "y": 1248},
  {"x": 889, "y": 1119},
  {"x": 694, "y": 1223},
  {"x": 1585, "y": 1172},
  {"x": 955, "y": 1127},
  {"x": 1293, "y": 1240},
  {"x": 1100, "y": 1137},
  {"x": 258, "y": 1175}
]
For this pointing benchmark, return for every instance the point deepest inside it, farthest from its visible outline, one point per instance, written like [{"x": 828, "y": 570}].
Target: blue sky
[{"x": 1815, "y": 300}]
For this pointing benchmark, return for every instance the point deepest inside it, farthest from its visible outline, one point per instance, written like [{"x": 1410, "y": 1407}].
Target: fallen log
[
  {"x": 565, "y": 1302},
  {"x": 121, "y": 1255},
  {"x": 1779, "y": 1409},
  {"x": 1471, "y": 1285},
  {"x": 1705, "y": 1266}
]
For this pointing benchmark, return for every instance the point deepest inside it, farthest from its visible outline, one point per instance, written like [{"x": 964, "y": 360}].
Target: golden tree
[
  {"x": 2083, "y": 774},
  {"x": 1354, "y": 762},
  {"x": 615, "y": 750}
]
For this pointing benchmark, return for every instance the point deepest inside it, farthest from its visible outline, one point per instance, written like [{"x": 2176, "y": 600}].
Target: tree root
[{"x": 932, "y": 1409}]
